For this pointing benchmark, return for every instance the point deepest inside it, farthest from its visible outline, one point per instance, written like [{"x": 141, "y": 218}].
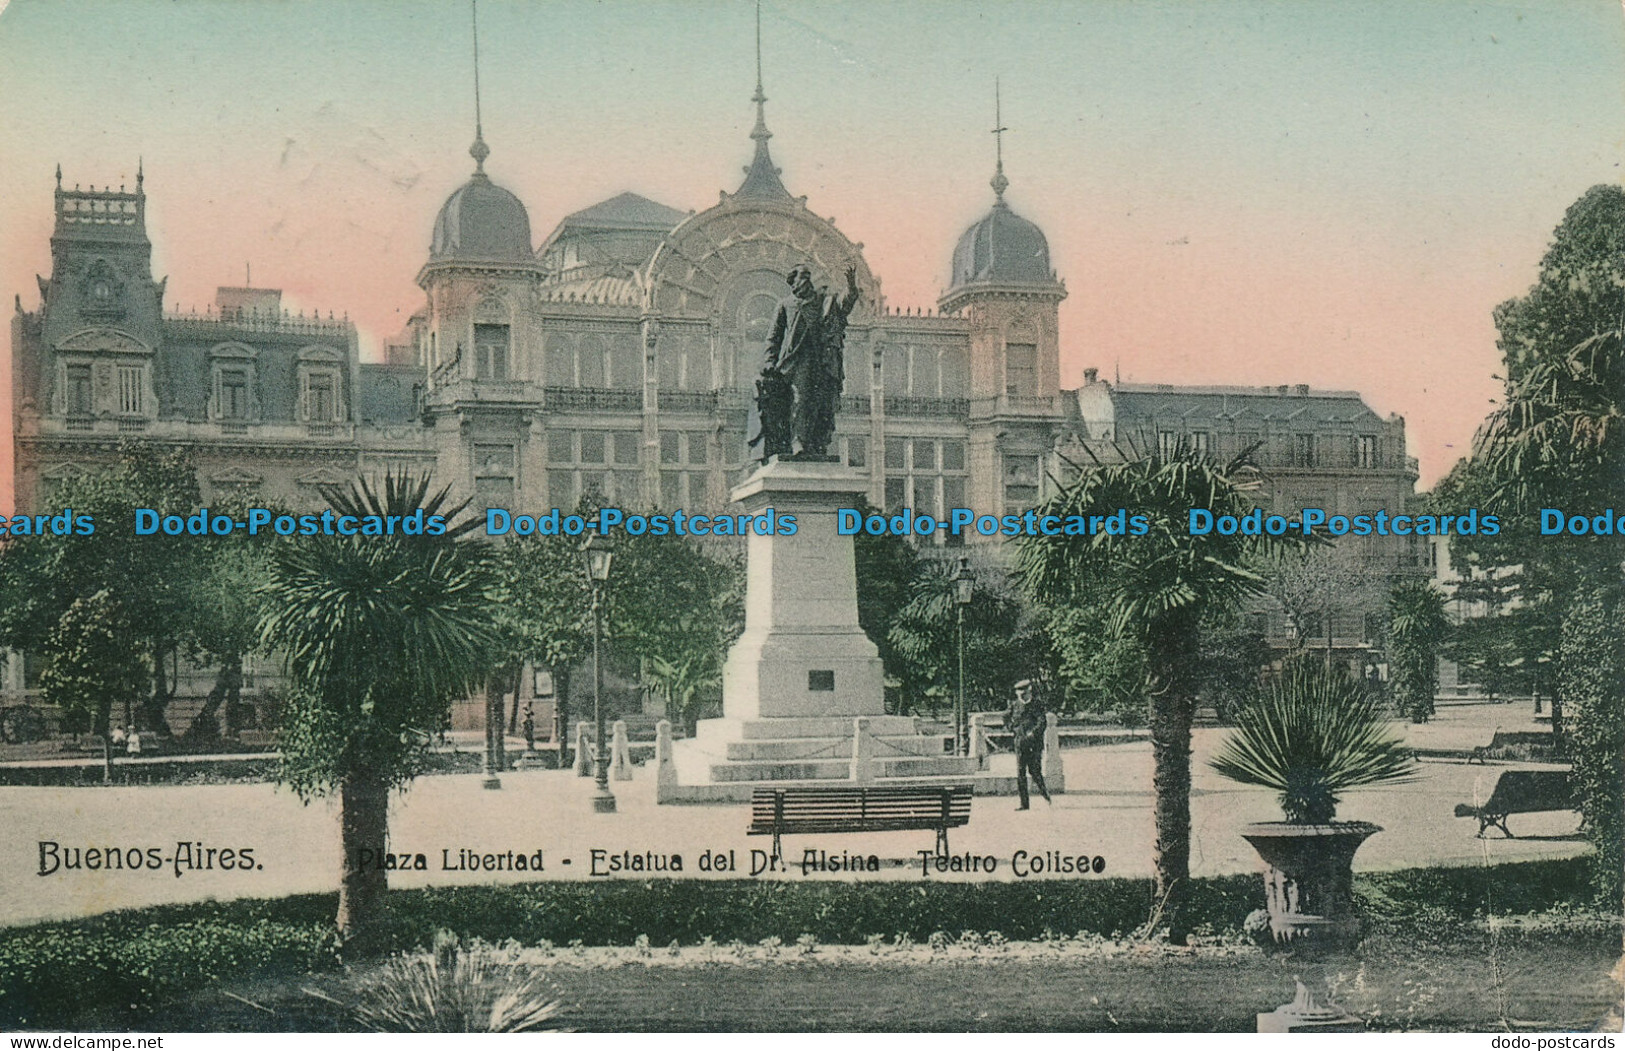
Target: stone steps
[
  {"x": 829, "y": 747},
  {"x": 721, "y": 730}
]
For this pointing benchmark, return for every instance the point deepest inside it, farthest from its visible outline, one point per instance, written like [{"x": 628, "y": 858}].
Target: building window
[
  {"x": 320, "y": 396},
  {"x": 954, "y": 382},
  {"x": 129, "y": 390},
  {"x": 896, "y": 493},
  {"x": 1167, "y": 444},
  {"x": 590, "y": 369},
  {"x": 1303, "y": 450},
  {"x": 233, "y": 398},
  {"x": 561, "y": 491},
  {"x": 1020, "y": 482},
  {"x": 685, "y": 364},
  {"x": 79, "y": 401},
  {"x": 493, "y": 492},
  {"x": 491, "y": 352},
  {"x": 1200, "y": 443},
  {"x": 580, "y": 462},
  {"x": 673, "y": 444},
  {"x": 895, "y": 369},
  {"x": 857, "y": 451},
  {"x": 925, "y": 373},
  {"x": 1365, "y": 450},
  {"x": 926, "y": 474},
  {"x": 1021, "y": 370}
]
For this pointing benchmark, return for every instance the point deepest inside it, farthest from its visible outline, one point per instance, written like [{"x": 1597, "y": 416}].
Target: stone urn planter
[{"x": 1309, "y": 880}]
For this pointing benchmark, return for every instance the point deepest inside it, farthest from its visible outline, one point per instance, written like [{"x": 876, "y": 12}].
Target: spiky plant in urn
[{"x": 1311, "y": 735}]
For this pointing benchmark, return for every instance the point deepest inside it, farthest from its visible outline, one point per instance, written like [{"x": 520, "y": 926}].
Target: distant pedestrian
[
  {"x": 119, "y": 737},
  {"x": 1028, "y": 721},
  {"x": 528, "y": 724},
  {"x": 132, "y": 743}
]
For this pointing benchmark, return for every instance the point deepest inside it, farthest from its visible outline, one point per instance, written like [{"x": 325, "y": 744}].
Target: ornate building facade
[{"x": 620, "y": 356}]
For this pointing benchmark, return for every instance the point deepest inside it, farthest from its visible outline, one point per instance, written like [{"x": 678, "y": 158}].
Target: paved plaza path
[{"x": 1105, "y": 813}]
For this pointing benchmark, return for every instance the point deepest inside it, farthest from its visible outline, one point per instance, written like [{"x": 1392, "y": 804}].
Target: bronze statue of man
[{"x": 803, "y": 368}]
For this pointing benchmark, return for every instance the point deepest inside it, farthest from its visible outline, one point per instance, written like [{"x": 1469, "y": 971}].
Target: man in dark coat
[
  {"x": 804, "y": 355},
  {"x": 1028, "y": 721}
]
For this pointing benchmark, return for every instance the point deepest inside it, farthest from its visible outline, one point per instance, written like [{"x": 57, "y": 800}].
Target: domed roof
[
  {"x": 1002, "y": 247},
  {"x": 482, "y": 222}
]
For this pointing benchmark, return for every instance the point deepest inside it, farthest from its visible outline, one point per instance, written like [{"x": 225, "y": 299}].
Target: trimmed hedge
[
  {"x": 51, "y": 976},
  {"x": 127, "y": 963}
]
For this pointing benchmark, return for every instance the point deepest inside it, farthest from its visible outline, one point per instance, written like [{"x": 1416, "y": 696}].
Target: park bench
[
  {"x": 819, "y": 809},
  {"x": 1521, "y": 792}
]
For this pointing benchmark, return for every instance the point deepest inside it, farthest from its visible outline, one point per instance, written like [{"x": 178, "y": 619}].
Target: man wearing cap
[{"x": 1027, "y": 721}]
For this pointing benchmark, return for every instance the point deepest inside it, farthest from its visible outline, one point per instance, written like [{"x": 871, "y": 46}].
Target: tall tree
[
  {"x": 224, "y": 601},
  {"x": 1003, "y": 642},
  {"x": 1318, "y": 583},
  {"x": 149, "y": 577},
  {"x": 1416, "y": 633},
  {"x": 675, "y": 606},
  {"x": 379, "y": 635},
  {"x": 90, "y": 668},
  {"x": 1558, "y": 442},
  {"x": 1155, "y": 590},
  {"x": 542, "y": 612}
]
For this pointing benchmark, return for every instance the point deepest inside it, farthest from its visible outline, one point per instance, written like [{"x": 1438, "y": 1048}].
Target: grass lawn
[{"x": 1553, "y": 981}]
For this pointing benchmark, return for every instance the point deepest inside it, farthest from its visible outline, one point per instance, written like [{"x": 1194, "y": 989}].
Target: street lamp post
[
  {"x": 598, "y": 552},
  {"x": 964, "y": 584}
]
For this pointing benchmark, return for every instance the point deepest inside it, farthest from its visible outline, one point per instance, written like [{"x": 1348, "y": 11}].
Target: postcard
[{"x": 800, "y": 516}]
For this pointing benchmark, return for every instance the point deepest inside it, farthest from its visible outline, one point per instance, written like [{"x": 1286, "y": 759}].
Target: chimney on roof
[
  {"x": 1302, "y": 390},
  {"x": 1090, "y": 377}
]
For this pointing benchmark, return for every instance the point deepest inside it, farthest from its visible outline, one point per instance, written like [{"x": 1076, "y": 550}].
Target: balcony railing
[
  {"x": 279, "y": 431},
  {"x": 855, "y": 404},
  {"x": 590, "y": 399},
  {"x": 1014, "y": 405},
  {"x": 688, "y": 401},
  {"x": 281, "y": 323},
  {"x": 950, "y": 408}
]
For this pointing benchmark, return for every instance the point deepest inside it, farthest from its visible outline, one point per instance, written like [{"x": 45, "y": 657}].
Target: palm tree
[
  {"x": 1155, "y": 590},
  {"x": 379, "y": 634},
  {"x": 1313, "y": 733}
]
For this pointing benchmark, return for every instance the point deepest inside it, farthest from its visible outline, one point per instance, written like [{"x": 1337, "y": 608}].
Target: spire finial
[
  {"x": 479, "y": 151},
  {"x": 140, "y": 172},
  {"x": 761, "y": 178},
  {"x": 998, "y": 182},
  {"x": 760, "y": 132},
  {"x": 59, "y": 175}
]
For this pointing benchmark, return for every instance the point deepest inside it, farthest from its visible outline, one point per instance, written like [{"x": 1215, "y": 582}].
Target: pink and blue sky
[{"x": 1290, "y": 191}]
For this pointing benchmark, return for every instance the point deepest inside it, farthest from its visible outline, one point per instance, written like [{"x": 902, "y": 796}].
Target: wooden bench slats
[{"x": 817, "y": 809}]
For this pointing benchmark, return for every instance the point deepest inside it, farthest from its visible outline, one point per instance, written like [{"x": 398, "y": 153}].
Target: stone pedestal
[
  {"x": 802, "y": 653},
  {"x": 803, "y": 689}
]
